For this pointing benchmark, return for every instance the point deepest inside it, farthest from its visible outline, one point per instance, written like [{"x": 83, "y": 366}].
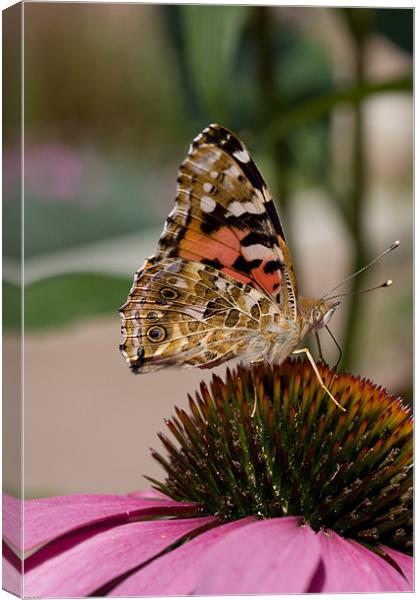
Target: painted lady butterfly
[{"x": 221, "y": 284}]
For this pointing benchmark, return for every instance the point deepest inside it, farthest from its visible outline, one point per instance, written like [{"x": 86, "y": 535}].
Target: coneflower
[{"x": 269, "y": 488}]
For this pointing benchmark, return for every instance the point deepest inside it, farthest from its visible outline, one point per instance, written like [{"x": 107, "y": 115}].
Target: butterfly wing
[
  {"x": 183, "y": 313},
  {"x": 224, "y": 216},
  {"x": 222, "y": 273}
]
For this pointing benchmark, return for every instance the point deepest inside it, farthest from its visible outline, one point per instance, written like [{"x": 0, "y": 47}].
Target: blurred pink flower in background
[
  {"x": 55, "y": 172},
  {"x": 11, "y": 171},
  {"x": 131, "y": 546}
]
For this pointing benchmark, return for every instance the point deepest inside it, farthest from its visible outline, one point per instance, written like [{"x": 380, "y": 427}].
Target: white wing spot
[
  {"x": 233, "y": 171},
  {"x": 208, "y": 187},
  {"x": 214, "y": 174},
  {"x": 242, "y": 156},
  {"x": 266, "y": 194},
  {"x": 256, "y": 251},
  {"x": 237, "y": 208},
  {"x": 255, "y": 208},
  {"x": 260, "y": 197},
  {"x": 181, "y": 283},
  {"x": 211, "y": 157},
  {"x": 207, "y": 204}
]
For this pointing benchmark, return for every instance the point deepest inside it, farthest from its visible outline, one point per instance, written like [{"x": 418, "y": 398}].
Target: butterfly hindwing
[
  {"x": 224, "y": 216},
  {"x": 183, "y": 313}
]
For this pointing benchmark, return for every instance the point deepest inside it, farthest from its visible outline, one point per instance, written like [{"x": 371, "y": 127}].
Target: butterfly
[{"x": 221, "y": 284}]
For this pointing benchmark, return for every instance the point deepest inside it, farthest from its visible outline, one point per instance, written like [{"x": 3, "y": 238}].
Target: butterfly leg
[
  {"x": 318, "y": 343},
  {"x": 254, "y": 408},
  {"x": 321, "y": 383}
]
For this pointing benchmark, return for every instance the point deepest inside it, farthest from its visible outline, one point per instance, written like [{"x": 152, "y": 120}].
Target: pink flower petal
[
  {"x": 175, "y": 573},
  {"x": 274, "y": 556},
  {"x": 91, "y": 564},
  {"x": 12, "y": 520},
  {"x": 47, "y": 518},
  {"x": 350, "y": 567},
  {"x": 12, "y": 572},
  {"x": 405, "y": 562}
]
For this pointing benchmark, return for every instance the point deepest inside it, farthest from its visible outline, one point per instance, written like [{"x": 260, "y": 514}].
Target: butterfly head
[{"x": 316, "y": 313}]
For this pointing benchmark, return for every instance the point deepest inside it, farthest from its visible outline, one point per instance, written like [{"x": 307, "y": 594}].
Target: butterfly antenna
[
  {"x": 386, "y": 283},
  {"x": 372, "y": 262}
]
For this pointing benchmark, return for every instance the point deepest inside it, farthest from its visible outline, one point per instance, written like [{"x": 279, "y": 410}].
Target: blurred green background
[{"x": 113, "y": 96}]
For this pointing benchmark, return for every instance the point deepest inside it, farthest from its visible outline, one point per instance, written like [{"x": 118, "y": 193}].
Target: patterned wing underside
[
  {"x": 183, "y": 313},
  {"x": 224, "y": 216}
]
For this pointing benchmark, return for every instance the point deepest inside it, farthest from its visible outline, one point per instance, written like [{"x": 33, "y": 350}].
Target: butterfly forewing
[{"x": 224, "y": 216}]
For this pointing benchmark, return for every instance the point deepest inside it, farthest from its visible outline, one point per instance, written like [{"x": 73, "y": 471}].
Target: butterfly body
[{"x": 221, "y": 284}]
